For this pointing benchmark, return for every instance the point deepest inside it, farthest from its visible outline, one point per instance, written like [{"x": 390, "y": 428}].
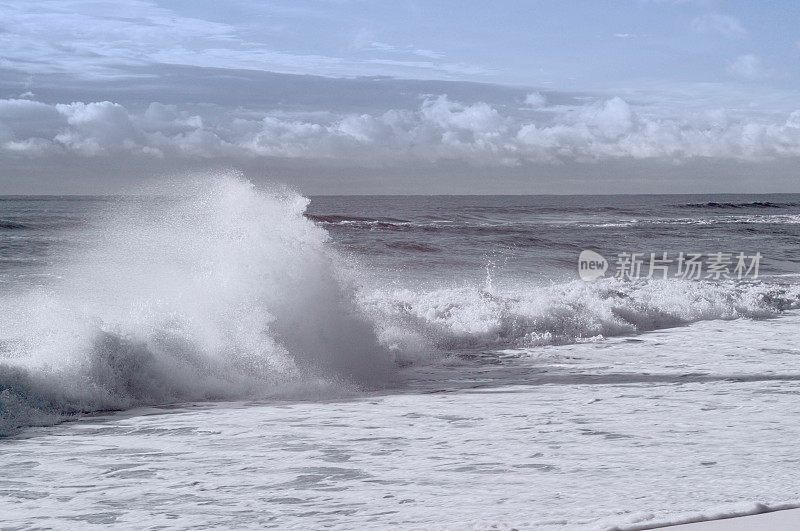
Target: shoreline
[{"x": 761, "y": 516}]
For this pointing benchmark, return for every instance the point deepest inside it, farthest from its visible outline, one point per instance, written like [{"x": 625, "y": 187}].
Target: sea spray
[
  {"x": 482, "y": 316},
  {"x": 223, "y": 292},
  {"x": 212, "y": 289}
]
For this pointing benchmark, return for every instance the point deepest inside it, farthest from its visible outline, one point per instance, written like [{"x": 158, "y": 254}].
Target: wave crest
[
  {"x": 477, "y": 318},
  {"x": 224, "y": 292},
  {"x": 721, "y": 205}
]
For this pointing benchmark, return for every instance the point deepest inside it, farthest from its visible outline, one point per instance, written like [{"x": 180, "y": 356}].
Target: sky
[{"x": 356, "y": 96}]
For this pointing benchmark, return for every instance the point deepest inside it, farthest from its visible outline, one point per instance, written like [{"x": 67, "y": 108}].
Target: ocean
[{"x": 217, "y": 354}]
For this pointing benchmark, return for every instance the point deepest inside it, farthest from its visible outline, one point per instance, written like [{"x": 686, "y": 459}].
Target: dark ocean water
[
  {"x": 539, "y": 238},
  {"x": 452, "y": 238}
]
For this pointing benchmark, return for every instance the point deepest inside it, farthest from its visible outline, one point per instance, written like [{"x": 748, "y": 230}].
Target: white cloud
[
  {"x": 382, "y": 46},
  {"x": 439, "y": 129},
  {"x": 365, "y": 40},
  {"x": 612, "y": 119},
  {"x": 535, "y": 100},
  {"x": 748, "y": 66},
  {"x": 721, "y": 24},
  {"x": 101, "y": 39},
  {"x": 95, "y": 128},
  {"x": 457, "y": 69},
  {"x": 96, "y": 39},
  {"x": 430, "y": 54}
]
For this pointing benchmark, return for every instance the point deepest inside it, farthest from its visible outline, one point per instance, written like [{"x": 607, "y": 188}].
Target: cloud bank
[{"x": 438, "y": 130}]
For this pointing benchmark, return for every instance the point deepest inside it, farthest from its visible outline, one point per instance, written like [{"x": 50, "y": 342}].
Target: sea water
[{"x": 373, "y": 361}]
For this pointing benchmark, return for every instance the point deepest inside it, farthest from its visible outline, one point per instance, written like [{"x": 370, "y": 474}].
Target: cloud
[
  {"x": 101, "y": 39},
  {"x": 748, "y": 66},
  {"x": 535, "y": 100},
  {"x": 96, "y": 128},
  {"x": 382, "y": 46},
  {"x": 440, "y": 129},
  {"x": 365, "y": 40},
  {"x": 456, "y": 69},
  {"x": 96, "y": 39},
  {"x": 721, "y": 24},
  {"x": 430, "y": 54}
]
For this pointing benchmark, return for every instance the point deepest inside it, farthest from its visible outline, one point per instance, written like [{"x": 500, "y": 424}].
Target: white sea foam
[
  {"x": 682, "y": 424},
  {"x": 757, "y": 219},
  {"x": 485, "y": 317}
]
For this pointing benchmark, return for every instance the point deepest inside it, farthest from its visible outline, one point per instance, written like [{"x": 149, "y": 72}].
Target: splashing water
[
  {"x": 228, "y": 292},
  {"x": 222, "y": 293},
  {"x": 485, "y": 317}
]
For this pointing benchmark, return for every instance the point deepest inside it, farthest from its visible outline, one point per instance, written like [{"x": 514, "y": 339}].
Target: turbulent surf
[
  {"x": 212, "y": 289},
  {"x": 224, "y": 292}
]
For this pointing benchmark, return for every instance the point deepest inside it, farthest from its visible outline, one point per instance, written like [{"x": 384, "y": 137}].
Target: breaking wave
[
  {"x": 228, "y": 292},
  {"x": 223, "y": 293},
  {"x": 718, "y": 205},
  {"x": 729, "y": 219},
  {"x": 481, "y": 317},
  {"x": 334, "y": 219}
]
